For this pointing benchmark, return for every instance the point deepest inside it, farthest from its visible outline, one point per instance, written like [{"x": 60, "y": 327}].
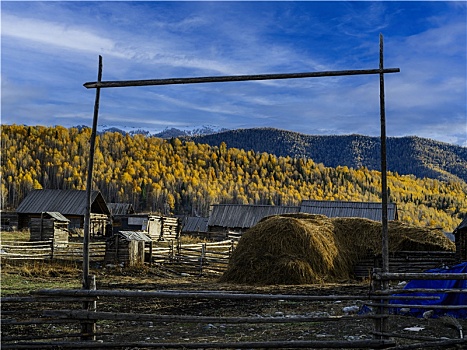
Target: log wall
[
  {"x": 406, "y": 261},
  {"x": 49, "y": 230}
]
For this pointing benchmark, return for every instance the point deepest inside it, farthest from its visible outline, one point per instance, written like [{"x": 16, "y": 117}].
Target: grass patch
[
  {"x": 20, "y": 285},
  {"x": 22, "y": 236},
  {"x": 21, "y": 278}
]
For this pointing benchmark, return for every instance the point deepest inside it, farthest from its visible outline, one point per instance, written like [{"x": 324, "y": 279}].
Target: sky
[{"x": 50, "y": 49}]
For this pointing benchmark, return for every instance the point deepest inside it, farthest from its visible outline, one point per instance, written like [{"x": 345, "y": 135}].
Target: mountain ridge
[{"x": 408, "y": 155}]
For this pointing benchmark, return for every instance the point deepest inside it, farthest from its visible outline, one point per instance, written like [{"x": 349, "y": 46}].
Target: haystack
[{"x": 306, "y": 248}]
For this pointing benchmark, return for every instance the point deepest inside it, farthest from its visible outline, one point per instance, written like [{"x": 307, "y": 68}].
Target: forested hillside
[
  {"x": 174, "y": 176},
  {"x": 405, "y": 155}
]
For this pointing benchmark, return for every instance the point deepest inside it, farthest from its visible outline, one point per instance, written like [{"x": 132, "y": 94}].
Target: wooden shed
[
  {"x": 238, "y": 218},
  {"x": 344, "y": 209},
  {"x": 195, "y": 226},
  {"x": 460, "y": 236},
  {"x": 128, "y": 247},
  {"x": 51, "y": 226},
  {"x": 157, "y": 227},
  {"x": 70, "y": 203}
]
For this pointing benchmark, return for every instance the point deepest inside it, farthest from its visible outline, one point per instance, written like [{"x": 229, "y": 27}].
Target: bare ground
[{"x": 158, "y": 279}]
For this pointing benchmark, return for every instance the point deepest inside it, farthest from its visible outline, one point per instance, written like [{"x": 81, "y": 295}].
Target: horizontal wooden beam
[
  {"x": 122, "y": 316},
  {"x": 419, "y": 276},
  {"x": 284, "y": 344},
  {"x": 231, "y": 78},
  {"x": 191, "y": 295}
]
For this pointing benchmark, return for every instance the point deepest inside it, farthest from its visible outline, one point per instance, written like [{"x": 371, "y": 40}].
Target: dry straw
[{"x": 306, "y": 248}]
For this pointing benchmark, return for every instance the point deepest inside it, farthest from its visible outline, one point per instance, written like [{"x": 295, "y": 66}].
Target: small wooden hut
[
  {"x": 128, "y": 247},
  {"x": 50, "y": 226}
]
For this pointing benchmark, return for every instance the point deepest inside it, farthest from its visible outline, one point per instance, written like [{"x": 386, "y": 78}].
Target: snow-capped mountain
[{"x": 167, "y": 132}]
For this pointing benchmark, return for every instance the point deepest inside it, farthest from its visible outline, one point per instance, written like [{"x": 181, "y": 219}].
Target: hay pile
[{"x": 305, "y": 248}]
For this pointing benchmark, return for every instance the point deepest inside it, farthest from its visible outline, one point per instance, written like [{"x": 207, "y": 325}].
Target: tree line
[{"x": 182, "y": 177}]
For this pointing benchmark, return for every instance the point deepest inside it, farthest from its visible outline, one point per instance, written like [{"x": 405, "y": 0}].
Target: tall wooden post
[
  {"x": 384, "y": 185},
  {"x": 89, "y": 282},
  {"x": 87, "y": 217}
]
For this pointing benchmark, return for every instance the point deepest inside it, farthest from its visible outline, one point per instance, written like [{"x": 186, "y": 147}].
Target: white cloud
[{"x": 56, "y": 34}]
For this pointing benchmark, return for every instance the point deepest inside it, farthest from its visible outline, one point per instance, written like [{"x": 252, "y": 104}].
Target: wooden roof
[
  {"x": 57, "y": 216},
  {"x": 120, "y": 208},
  {"x": 462, "y": 225},
  {"x": 195, "y": 224},
  {"x": 244, "y": 216},
  {"x": 333, "y": 209},
  {"x": 134, "y": 236},
  {"x": 66, "y": 202}
]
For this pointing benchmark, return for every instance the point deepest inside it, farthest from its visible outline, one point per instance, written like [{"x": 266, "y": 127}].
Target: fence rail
[
  {"x": 66, "y": 319},
  {"x": 47, "y": 250},
  {"x": 193, "y": 258}
]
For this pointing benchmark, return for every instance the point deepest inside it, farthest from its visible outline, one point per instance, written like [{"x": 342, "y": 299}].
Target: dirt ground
[{"x": 415, "y": 330}]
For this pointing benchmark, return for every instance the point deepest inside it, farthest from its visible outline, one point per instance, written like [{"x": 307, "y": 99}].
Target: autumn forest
[{"x": 181, "y": 177}]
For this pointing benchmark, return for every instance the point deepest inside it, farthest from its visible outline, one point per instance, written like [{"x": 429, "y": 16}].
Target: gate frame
[{"x": 87, "y": 279}]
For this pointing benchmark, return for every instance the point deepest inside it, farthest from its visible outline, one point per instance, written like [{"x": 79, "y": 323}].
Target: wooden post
[
  {"x": 88, "y": 328},
  {"x": 202, "y": 257},
  {"x": 150, "y": 253},
  {"x": 87, "y": 217},
  {"x": 40, "y": 233},
  {"x": 384, "y": 185},
  {"x": 51, "y": 249},
  {"x": 88, "y": 282},
  {"x": 377, "y": 286}
]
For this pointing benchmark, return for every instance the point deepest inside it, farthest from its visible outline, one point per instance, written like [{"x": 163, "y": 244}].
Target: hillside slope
[{"x": 409, "y": 155}]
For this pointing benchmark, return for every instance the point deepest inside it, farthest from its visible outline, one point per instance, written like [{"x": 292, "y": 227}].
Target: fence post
[
  {"x": 51, "y": 249},
  {"x": 376, "y": 285},
  {"x": 232, "y": 247},
  {"x": 88, "y": 328},
  {"x": 201, "y": 258}
]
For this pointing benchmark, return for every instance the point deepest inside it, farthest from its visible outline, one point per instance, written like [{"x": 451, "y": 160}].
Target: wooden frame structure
[{"x": 381, "y": 71}]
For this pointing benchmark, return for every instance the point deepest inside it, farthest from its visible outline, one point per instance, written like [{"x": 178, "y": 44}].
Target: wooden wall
[
  {"x": 48, "y": 229},
  {"x": 411, "y": 262},
  {"x": 119, "y": 250}
]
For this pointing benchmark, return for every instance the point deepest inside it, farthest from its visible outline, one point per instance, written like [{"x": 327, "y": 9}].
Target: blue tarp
[{"x": 444, "y": 298}]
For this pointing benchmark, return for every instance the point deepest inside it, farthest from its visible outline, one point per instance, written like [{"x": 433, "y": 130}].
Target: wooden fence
[
  {"x": 405, "y": 261},
  {"x": 46, "y": 250},
  {"x": 195, "y": 258},
  {"x": 64, "y": 324}
]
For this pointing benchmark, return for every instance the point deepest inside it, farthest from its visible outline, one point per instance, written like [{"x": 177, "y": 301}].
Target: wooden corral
[
  {"x": 128, "y": 247},
  {"x": 70, "y": 203},
  {"x": 460, "y": 234},
  {"x": 51, "y": 226}
]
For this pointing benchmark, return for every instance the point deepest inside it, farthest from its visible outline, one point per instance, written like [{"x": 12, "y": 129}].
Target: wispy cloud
[{"x": 49, "y": 49}]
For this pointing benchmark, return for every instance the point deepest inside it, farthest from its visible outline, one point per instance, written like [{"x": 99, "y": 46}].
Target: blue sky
[{"x": 49, "y": 49}]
